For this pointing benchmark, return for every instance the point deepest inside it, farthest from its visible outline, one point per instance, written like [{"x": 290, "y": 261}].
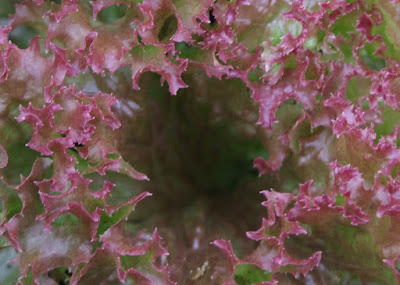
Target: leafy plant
[{"x": 200, "y": 105}]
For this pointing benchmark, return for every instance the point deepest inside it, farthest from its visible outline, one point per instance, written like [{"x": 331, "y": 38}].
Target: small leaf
[{"x": 246, "y": 274}]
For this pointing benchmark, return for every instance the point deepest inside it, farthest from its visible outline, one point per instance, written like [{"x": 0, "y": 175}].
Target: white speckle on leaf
[{"x": 200, "y": 271}]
